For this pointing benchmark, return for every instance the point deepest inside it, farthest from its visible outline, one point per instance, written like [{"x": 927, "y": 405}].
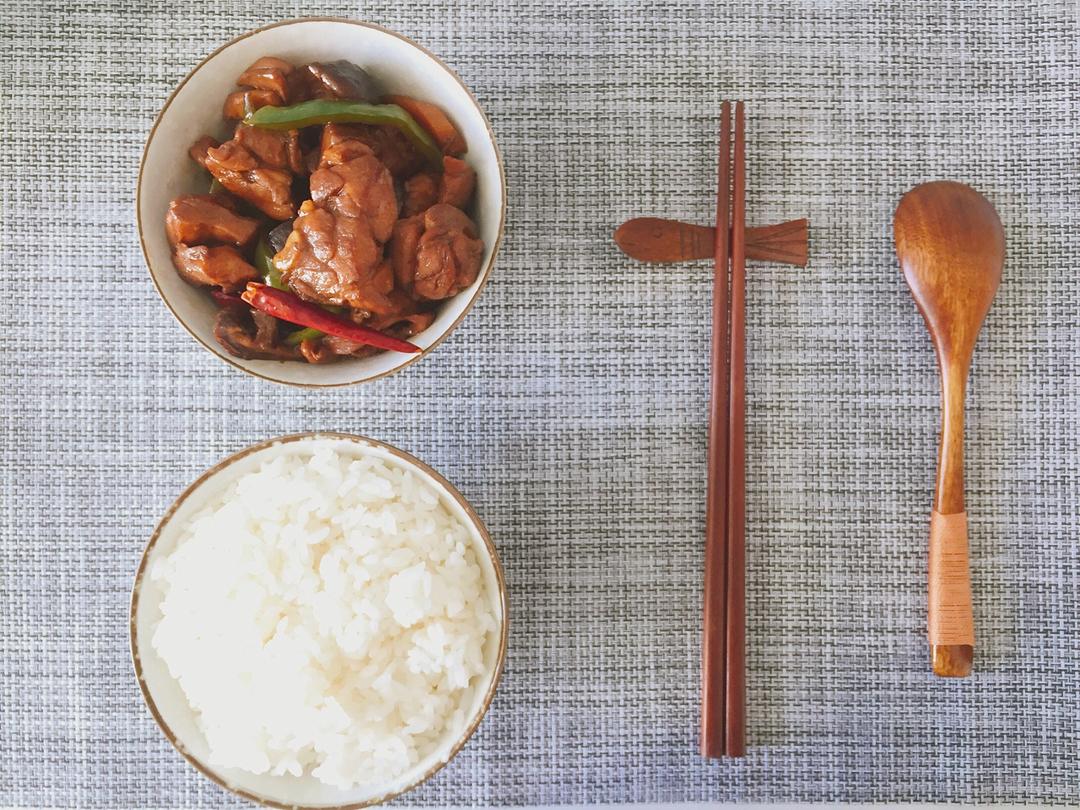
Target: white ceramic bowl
[
  {"x": 194, "y": 109},
  {"x": 166, "y": 700}
]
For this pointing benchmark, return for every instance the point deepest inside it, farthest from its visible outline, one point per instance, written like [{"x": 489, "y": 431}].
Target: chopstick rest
[{"x": 665, "y": 241}]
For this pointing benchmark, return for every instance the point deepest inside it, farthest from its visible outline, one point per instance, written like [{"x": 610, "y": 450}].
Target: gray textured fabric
[{"x": 570, "y": 405}]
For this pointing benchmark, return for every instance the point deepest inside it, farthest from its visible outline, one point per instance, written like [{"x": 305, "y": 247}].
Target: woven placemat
[{"x": 570, "y": 405}]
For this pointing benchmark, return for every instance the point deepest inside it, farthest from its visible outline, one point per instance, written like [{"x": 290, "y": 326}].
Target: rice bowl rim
[{"x": 409, "y": 461}]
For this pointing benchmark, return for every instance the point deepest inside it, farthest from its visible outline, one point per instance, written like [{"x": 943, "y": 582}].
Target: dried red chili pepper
[{"x": 287, "y": 307}]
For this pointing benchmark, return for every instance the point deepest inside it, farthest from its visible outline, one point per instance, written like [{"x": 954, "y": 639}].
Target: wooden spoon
[
  {"x": 951, "y": 248},
  {"x": 649, "y": 239}
]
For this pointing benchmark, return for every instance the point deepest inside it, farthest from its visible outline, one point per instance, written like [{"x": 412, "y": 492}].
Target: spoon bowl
[{"x": 952, "y": 248}]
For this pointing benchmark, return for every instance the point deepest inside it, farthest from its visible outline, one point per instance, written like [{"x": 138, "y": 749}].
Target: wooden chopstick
[
  {"x": 714, "y": 642},
  {"x": 735, "y": 692}
]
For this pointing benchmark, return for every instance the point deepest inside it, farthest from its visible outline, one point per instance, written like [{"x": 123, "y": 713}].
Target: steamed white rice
[{"x": 327, "y": 615}]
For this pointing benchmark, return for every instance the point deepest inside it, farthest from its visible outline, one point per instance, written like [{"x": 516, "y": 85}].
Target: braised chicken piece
[
  {"x": 403, "y": 247},
  {"x": 340, "y": 143},
  {"x": 340, "y": 79},
  {"x": 334, "y": 254},
  {"x": 390, "y": 146},
  {"x": 222, "y": 266},
  {"x": 242, "y": 102},
  {"x": 278, "y": 149},
  {"x": 359, "y": 187},
  {"x": 268, "y": 82},
  {"x": 436, "y": 254},
  {"x": 207, "y": 219},
  {"x": 454, "y": 187},
  {"x": 268, "y": 73},
  {"x": 421, "y": 192},
  {"x": 251, "y": 335},
  {"x": 457, "y": 184},
  {"x": 241, "y": 173},
  {"x": 332, "y": 259}
]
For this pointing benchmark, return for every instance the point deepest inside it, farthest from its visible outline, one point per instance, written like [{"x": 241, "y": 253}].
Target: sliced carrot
[{"x": 434, "y": 120}]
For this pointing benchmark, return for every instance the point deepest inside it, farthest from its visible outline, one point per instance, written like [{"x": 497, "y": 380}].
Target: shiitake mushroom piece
[
  {"x": 251, "y": 335},
  {"x": 341, "y": 79}
]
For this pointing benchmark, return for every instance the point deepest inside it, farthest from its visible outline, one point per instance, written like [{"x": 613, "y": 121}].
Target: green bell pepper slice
[
  {"x": 326, "y": 111},
  {"x": 300, "y": 335},
  {"x": 264, "y": 263}
]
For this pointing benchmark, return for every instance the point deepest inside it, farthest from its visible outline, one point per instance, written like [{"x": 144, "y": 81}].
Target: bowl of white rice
[{"x": 319, "y": 621}]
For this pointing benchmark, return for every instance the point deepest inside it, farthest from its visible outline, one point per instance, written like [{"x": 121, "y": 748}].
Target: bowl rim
[
  {"x": 489, "y": 266},
  {"x": 409, "y": 460}
]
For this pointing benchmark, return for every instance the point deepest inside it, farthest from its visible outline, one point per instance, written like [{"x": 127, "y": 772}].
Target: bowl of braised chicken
[{"x": 320, "y": 202}]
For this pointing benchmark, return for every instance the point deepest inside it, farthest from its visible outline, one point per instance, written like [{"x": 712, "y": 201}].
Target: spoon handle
[{"x": 950, "y": 620}]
